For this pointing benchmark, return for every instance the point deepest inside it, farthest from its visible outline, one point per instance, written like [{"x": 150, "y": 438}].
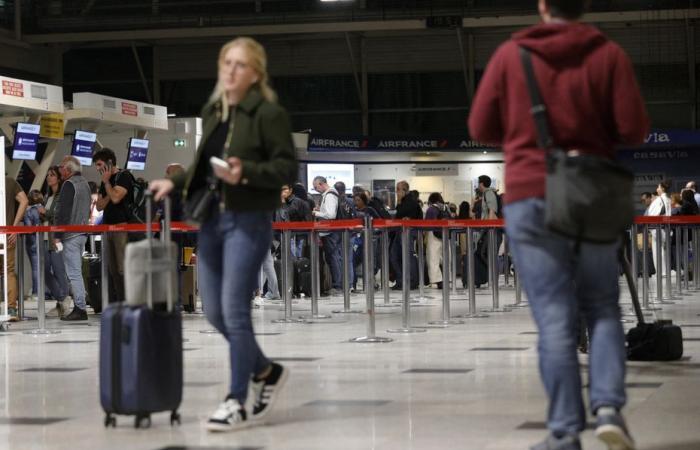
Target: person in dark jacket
[
  {"x": 589, "y": 88},
  {"x": 235, "y": 238},
  {"x": 407, "y": 208}
]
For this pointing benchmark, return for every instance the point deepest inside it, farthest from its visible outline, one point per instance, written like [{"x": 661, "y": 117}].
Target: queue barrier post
[
  {"x": 646, "y": 304},
  {"x": 493, "y": 272},
  {"x": 384, "y": 244},
  {"x": 633, "y": 255},
  {"x": 421, "y": 268},
  {"x": 446, "y": 278},
  {"x": 667, "y": 261},
  {"x": 659, "y": 265},
  {"x": 679, "y": 272},
  {"x": 696, "y": 262},
  {"x": 452, "y": 254},
  {"x": 315, "y": 278},
  {"x": 406, "y": 285},
  {"x": 347, "y": 257},
  {"x": 473, "y": 313},
  {"x": 686, "y": 259},
  {"x": 287, "y": 277},
  {"x": 19, "y": 268},
  {"x": 368, "y": 274},
  {"x": 41, "y": 302}
]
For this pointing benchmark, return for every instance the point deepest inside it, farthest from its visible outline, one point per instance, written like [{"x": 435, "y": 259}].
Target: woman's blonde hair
[{"x": 257, "y": 60}]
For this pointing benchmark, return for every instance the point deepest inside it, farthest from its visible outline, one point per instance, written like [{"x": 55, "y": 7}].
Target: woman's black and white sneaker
[
  {"x": 612, "y": 430},
  {"x": 229, "y": 416},
  {"x": 266, "y": 391}
]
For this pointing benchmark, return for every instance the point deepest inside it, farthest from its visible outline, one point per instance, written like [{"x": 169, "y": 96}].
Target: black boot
[{"x": 76, "y": 314}]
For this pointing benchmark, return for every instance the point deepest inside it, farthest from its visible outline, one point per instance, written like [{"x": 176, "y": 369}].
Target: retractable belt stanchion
[
  {"x": 518, "y": 292},
  {"x": 287, "y": 278},
  {"x": 633, "y": 255},
  {"x": 452, "y": 243},
  {"x": 406, "y": 280},
  {"x": 646, "y": 306},
  {"x": 346, "y": 275},
  {"x": 384, "y": 243},
  {"x": 421, "y": 268},
  {"x": 696, "y": 260},
  {"x": 315, "y": 279},
  {"x": 679, "y": 272},
  {"x": 493, "y": 272},
  {"x": 473, "y": 313},
  {"x": 368, "y": 258},
  {"x": 19, "y": 268},
  {"x": 41, "y": 302},
  {"x": 506, "y": 265},
  {"x": 446, "y": 278},
  {"x": 686, "y": 259},
  {"x": 667, "y": 261},
  {"x": 659, "y": 267}
]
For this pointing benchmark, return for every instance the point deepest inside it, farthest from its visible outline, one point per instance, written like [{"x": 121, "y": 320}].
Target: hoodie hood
[{"x": 560, "y": 42}]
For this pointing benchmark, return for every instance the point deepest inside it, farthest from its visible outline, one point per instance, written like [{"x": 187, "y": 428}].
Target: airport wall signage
[
  {"x": 321, "y": 143},
  {"x": 350, "y": 143}
]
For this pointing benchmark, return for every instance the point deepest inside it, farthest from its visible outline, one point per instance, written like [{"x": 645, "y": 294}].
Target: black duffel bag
[
  {"x": 658, "y": 341},
  {"x": 588, "y": 197}
]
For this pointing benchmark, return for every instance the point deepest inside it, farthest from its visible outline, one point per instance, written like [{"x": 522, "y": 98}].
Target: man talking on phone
[{"x": 112, "y": 201}]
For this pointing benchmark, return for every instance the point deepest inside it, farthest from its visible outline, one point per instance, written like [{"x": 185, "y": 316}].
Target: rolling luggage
[
  {"x": 92, "y": 277},
  {"x": 657, "y": 341},
  {"x": 302, "y": 277},
  {"x": 141, "y": 354}
]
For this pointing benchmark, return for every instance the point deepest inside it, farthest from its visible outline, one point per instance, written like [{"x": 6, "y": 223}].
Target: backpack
[
  {"x": 345, "y": 209},
  {"x": 499, "y": 202},
  {"x": 443, "y": 214},
  {"x": 135, "y": 199},
  {"x": 377, "y": 204}
]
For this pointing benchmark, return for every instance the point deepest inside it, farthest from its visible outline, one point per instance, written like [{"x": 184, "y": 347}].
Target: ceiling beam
[{"x": 346, "y": 27}]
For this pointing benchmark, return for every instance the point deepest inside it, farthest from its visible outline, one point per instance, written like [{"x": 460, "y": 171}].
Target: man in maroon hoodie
[{"x": 593, "y": 104}]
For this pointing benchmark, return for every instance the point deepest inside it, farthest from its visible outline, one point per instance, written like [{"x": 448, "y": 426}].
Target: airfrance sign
[{"x": 342, "y": 144}]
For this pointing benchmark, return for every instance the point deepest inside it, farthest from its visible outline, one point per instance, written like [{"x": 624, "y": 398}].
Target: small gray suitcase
[{"x": 150, "y": 255}]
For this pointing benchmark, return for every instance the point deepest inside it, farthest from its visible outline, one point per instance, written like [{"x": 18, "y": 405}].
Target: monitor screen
[
  {"x": 332, "y": 173},
  {"x": 138, "y": 149},
  {"x": 83, "y": 145},
  {"x": 26, "y": 141}
]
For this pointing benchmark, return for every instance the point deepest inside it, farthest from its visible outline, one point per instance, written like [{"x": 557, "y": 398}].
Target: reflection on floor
[{"x": 467, "y": 386}]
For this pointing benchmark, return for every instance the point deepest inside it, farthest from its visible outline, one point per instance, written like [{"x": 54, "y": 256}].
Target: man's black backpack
[
  {"x": 378, "y": 205},
  {"x": 135, "y": 199},
  {"x": 345, "y": 208}
]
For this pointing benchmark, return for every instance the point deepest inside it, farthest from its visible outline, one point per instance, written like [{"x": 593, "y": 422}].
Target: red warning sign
[
  {"x": 12, "y": 88},
  {"x": 130, "y": 109}
]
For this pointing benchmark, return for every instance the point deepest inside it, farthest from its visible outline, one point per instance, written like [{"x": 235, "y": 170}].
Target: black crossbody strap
[{"x": 538, "y": 109}]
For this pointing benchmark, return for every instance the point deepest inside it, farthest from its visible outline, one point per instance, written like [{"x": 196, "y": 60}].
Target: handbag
[
  {"x": 201, "y": 203},
  {"x": 588, "y": 197}
]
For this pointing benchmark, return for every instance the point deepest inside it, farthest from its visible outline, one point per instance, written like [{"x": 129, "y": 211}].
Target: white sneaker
[
  {"x": 56, "y": 311},
  {"x": 229, "y": 416},
  {"x": 67, "y": 305}
]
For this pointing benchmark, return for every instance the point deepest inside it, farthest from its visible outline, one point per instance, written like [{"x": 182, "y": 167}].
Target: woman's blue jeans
[
  {"x": 231, "y": 249},
  {"x": 561, "y": 284}
]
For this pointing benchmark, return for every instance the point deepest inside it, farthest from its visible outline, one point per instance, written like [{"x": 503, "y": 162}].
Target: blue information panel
[
  {"x": 138, "y": 150},
  {"x": 26, "y": 141},
  {"x": 83, "y": 145}
]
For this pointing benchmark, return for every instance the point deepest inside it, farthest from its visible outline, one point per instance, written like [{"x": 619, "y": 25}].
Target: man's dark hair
[
  {"x": 666, "y": 185},
  {"x": 105, "y": 155},
  {"x": 340, "y": 187},
  {"x": 485, "y": 180},
  {"x": 567, "y": 9},
  {"x": 415, "y": 194},
  {"x": 320, "y": 179},
  {"x": 357, "y": 189},
  {"x": 646, "y": 195}
]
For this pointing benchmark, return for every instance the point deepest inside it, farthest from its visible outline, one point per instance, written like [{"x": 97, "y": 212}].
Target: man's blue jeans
[
  {"x": 73, "y": 259},
  {"x": 231, "y": 249},
  {"x": 333, "y": 254},
  {"x": 562, "y": 283},
  {"x": 55, "y": 274}
]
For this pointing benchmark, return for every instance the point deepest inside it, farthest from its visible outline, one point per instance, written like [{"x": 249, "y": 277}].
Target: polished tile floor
[{"x": 468, "y": 386}]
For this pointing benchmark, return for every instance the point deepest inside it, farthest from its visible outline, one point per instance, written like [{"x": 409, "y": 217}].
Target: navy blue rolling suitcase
[{"x": 141, "y": 356}]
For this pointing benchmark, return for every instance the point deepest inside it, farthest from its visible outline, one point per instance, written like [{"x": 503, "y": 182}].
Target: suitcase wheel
[
  {"x": 110, "y": 421},
  {"x": 142, "y": 421},
  {"x": 174, "y": 418}
]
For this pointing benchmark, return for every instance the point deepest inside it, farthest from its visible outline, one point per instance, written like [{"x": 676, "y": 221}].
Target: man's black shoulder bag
[{"x": 588, "y": 198}]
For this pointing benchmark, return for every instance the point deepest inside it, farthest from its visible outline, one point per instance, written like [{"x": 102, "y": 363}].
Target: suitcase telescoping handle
[
  {"x": 165, "y": 238},
  {"x": 627, "y": 269}
]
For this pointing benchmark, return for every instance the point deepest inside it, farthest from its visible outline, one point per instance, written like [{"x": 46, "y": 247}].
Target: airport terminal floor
[{"x": 468, "y": 386}]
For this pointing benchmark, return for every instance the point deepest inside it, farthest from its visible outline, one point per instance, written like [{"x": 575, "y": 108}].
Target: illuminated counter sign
[
  {"x": 26, "y": 141},
  {"x": 83, "y": 145},
  {"x": 138, "y": 150}
]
